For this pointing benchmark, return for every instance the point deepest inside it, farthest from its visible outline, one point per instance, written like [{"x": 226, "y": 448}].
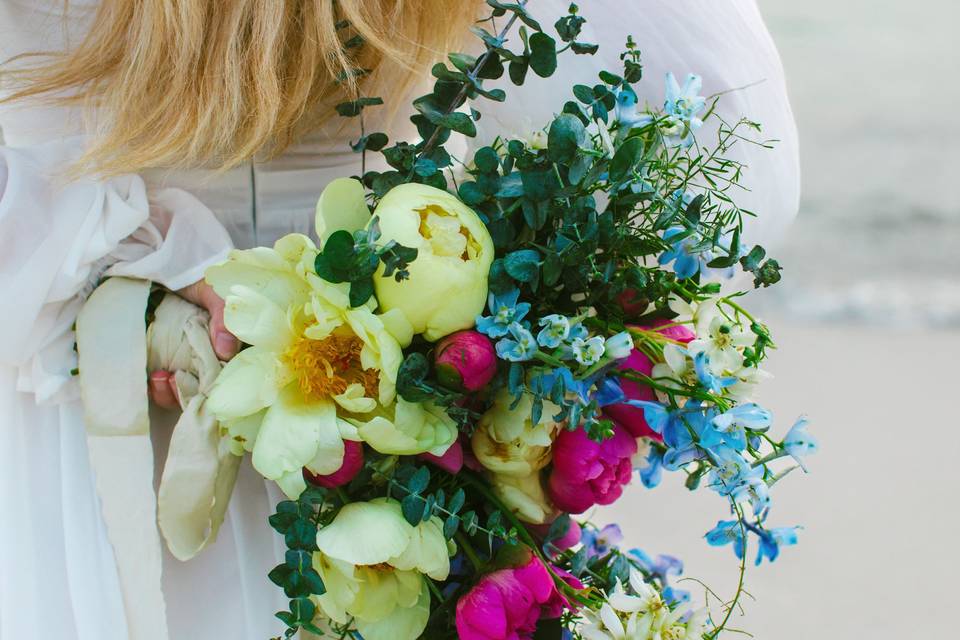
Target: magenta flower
[
  {"x": 352, "y": 463},
  {"x": 451, "y": 461},
  {"x": 564, "y": 542},
  {"x": 586, "y": 472},
  {"x": 632, "y": 418},
  {"x": 466, "y": 359},
  {"x": 507, "y": 604}
]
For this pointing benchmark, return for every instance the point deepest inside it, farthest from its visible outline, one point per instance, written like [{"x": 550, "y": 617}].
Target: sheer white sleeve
[
  {"x": 58, "y": 238},
  {"x": 724, "y": 41}
]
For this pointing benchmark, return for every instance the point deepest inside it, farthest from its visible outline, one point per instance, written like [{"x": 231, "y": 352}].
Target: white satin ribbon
[{"x": 115, "y": 352}]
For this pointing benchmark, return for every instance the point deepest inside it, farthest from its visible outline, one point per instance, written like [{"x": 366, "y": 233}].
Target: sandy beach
[{"x": 878, "y": 557}]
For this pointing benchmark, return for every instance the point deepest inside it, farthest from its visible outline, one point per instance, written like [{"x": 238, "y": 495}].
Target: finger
[
  {"x": 225, "y": 345},
  {"x": 161, "y": 391}
]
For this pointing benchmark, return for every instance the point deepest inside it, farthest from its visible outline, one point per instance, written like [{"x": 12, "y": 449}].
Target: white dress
[{"x": 58, "y": 576}]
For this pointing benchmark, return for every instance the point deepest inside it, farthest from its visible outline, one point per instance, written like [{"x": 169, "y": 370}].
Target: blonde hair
[{"x": 179, "y": 83}]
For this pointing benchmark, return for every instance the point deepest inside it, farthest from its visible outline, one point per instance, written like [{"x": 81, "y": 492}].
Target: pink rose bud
[
  {"x": 586, "y": 473},
  {"x": 632, "y": 303},
  {"x": 632, "y": 418},
  {"x": 352, "y": 463},
  {"x": 508, "y": 603},
  {"x": 564, "y": 542},
  {"x": 451, "y": 461},
  {"x": 466, "y": 360}
]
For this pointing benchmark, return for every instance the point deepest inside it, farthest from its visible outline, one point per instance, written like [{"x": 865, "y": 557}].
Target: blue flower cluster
[{"x": 724, "y": 443}]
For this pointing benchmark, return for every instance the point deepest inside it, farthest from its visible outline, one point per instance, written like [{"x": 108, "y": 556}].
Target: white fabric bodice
[{"x": 725, "y": 41}]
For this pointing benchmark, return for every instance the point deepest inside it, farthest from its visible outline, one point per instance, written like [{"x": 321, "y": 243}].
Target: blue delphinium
[
  {"x": 504, "y": 311},
  {"x": 651, "y": 473},
  {"x": 710, "y": 382},
  {"x": 686, "y": 261},
  {"x": 728, "y": 532},
  {"x": 772, "y": 539},
  {"x": 661, "y": 569},
  {"x": 682, "y": 106},
  {"x": 598, "y": 542},
  {"x": 522, "y": 346},
  {"x": 798, "y": 442}
]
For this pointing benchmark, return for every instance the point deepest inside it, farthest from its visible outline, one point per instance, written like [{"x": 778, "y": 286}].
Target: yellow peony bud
[{"x": 447, "y": 287}]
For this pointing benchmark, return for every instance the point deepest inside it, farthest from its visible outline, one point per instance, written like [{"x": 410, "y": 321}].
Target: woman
[{"x": 157, "y": 135}]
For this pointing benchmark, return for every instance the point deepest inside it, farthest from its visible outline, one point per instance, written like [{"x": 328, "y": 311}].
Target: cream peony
[
  {"x": 508, "y": 443},
  {"x": 407, "y": 428},
  {"x": 524, "y": 496},
  {"x": 447, "y": 287},
  {"x": 313, "y": 361},
  {"x": 375, "y": 567}
]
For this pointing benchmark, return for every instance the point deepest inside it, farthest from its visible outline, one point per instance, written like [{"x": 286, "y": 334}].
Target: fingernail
[{"x": 225, "y": 345}]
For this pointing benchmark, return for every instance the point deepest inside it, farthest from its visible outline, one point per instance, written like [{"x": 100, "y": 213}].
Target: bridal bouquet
[{"x": 471, "y": 357}]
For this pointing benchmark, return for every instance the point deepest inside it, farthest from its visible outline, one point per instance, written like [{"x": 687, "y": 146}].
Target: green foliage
[
  {"x": 354, "y": 258},
  {"x": 298, "y": 520}
]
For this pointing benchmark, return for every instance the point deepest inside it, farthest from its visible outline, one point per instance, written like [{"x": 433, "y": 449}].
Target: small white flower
[
  {"x": 677, "y": 367},
  {"x": 588, "y": 352},
  {"x": 747, "y": 380},
  {"x": 619, "y": 346},
  {"x": 723, "y": 340}
]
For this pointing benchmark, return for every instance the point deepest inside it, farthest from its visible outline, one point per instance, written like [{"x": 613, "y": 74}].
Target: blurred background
[{"x": 868, "y": 321}]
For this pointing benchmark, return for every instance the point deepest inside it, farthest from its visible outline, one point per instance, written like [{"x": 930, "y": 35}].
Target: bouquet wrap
[{"x": 199, "y": 472}]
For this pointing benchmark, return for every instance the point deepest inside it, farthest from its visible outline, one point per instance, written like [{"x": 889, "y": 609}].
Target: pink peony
[
  {"x": 507, "y": 604},
  {"x": 352, "y": 463},
  {"x": 466, "y": 360},
  {"x": 630, "y": 417},
  {"x": 586, "y": 473},
  {"x": 451, "y": 461}
]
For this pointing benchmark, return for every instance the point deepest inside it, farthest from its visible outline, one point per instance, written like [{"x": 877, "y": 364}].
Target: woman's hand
[{"x": 162, "y": 388}]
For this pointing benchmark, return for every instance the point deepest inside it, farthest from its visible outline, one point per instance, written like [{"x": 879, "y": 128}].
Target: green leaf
[
  {"x": 419, "y": 481},
  {"x": 462, "y": 61},
  {"x": 410, "y": 377},
  {"x": 425, "y": 167},
  {"x": 492, "y": 67},
  {"x": 626, "y": 159},
  {"x": 459, "y": 122},
  {"x": 360, "y": 292},
  {"x": 471, "y": 194},
  {"x": 280, "y": 574},
  {"x": 510, "y": 186},
  {"x": 303, "y": 609},
  {"x": 470, "y": 522},
  {"x": 610, "y": 78},
  {"x": 543, "y": 54},
  {"x": 752, "y": 260},
  {"x": 355, "y": 107},
  {"x": 450, "y": 527},
  {"x": 582, "y": 48},
  {"x": 486, "y": 160},
  {"x": 302, "y": 535},
  {"x": 314, "y": 582},
  {"x": 692, "y": 212},
  {"x": 564, "y": 138},
  {"x": 522, "y": 265},
  {"x": 412, "y": 507},
  {"x": 518, "y": 70},
  {"x": 456, "y": 501}
]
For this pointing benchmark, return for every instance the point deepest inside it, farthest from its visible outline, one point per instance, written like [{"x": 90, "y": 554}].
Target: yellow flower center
[
  {"x": 447, "y": 237},
  {"x": 327, "y": 367}
]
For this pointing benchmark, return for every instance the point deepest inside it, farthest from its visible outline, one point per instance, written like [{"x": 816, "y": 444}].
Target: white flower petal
[
  {"x": 296, "y": 433},
  {"x": 366, "y": 533},
  {"x": 247, "y": 384}
]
